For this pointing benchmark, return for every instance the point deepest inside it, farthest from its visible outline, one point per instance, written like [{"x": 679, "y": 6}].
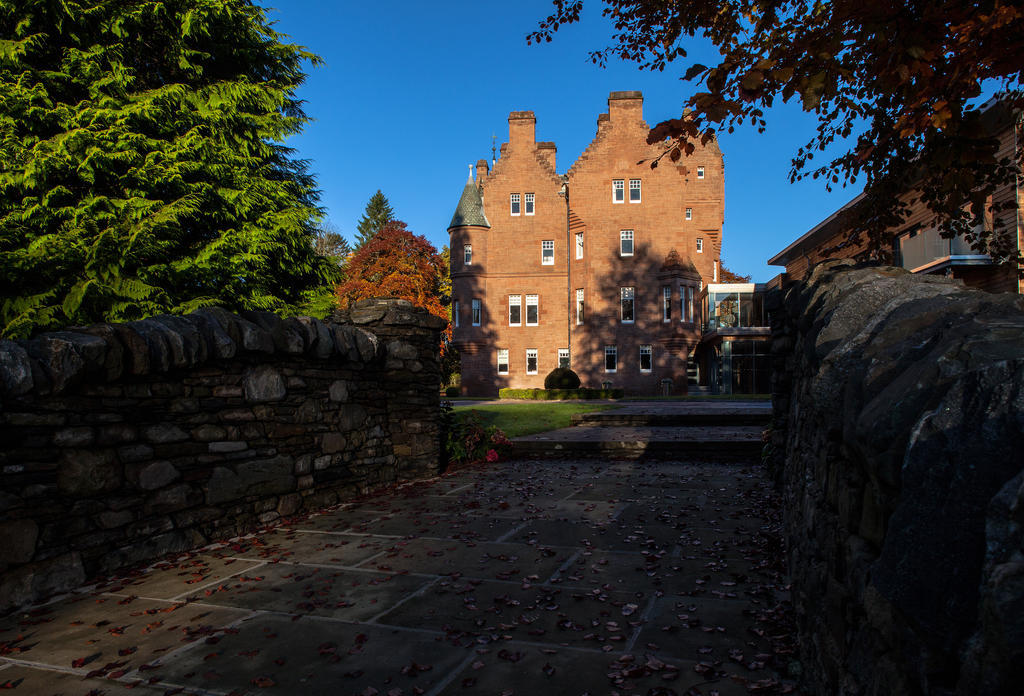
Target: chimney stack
[{"x": 522, "y": 126}]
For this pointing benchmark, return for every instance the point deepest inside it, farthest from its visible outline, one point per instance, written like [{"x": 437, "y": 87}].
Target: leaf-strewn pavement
[{"x": 517, "y": 578}]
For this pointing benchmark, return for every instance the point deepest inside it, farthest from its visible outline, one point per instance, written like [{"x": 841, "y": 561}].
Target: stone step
[
  {"x": 725, "y": 444},
  {"x": 682, "y": 451},
  {"x": 726, "y": 419}
]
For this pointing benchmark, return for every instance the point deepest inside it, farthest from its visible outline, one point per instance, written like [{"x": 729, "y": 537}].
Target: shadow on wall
[
  {"x": 604, "y": 326},
  {"x": 476, "y": 344}
]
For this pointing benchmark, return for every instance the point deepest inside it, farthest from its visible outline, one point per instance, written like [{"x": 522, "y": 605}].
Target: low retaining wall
[
  {"x": 124, "y": 442},
  {"x": 899, "y": 445}
]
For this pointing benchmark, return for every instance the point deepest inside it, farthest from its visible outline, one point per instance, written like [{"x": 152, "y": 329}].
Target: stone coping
[{"x": 55, "y": 362}]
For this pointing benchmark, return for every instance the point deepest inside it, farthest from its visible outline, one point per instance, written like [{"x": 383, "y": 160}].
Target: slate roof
[{"x": 470, "y": 210}]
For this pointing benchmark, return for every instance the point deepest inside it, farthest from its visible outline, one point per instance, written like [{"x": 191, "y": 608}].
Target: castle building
[{"x": 600, "y": 269}]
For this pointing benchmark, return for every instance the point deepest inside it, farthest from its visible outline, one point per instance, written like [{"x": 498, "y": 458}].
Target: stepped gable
[{"x": 470, "y": 210}]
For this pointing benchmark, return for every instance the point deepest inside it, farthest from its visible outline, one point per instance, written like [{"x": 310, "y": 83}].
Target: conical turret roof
[{"x": 470, "y": 210}]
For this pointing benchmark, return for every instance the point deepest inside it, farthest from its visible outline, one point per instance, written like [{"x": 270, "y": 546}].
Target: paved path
[{"x": 518, "y": 578}]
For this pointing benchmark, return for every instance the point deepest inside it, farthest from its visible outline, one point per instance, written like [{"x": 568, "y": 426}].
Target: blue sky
[{"x": 411, "y": 93}]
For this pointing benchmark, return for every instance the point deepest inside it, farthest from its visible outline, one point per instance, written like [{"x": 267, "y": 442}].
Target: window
[
  {"x": 529, "y": 204},
  {"x": 579, "y": 245},
  {"x": 627, "y": 304},
  {"x": 611, "y": 358},
  {"x": 455, "y": 312},
  {"x": 503, "y": 361},
  {"x": 700, "y": 172},
  {"x": 686, "y": 303},
  {"x": 626, "y": 243},
  {"x": 618, "y": 190},
  {"x": 514, "y": 203},
  {"x": 532, "y": 311},
  {"x": 467, "y": 254},
  {"x": 645, "y": 358},
  {"x": 531, "y": 361},
  {"x": 700, "y": 245},
  {"x": 477, "y": 311},
  {"x": 634, "y": 190},
  {"x": 689, "y": 213},
  {"x": 666, "y": 303},
  {"x": 547, "y": 252},
  {"x": 579, "y": 306},
  {"x": 563, "y": 357},
  {"x": 515, "y": 308}
]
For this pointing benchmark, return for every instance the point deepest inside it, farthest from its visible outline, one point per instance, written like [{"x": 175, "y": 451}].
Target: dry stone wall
[
  {"x": 898, "y": 440},
  {"x": 124, "y": 442}
]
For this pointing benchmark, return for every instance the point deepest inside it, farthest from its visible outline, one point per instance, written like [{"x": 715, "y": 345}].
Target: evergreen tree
[
  {"x": 378, "y": 213},
  {"x": 141, "y": 164}
]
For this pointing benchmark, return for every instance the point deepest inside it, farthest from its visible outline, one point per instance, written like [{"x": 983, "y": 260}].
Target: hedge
[{"x": 560, "y": 394}]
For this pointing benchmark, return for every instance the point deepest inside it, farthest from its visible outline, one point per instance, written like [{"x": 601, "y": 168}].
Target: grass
[{"x": 532, "y": 416}]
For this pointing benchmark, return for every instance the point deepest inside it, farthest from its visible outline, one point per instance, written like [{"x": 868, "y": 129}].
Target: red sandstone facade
[{"x": 635, "y": 244}]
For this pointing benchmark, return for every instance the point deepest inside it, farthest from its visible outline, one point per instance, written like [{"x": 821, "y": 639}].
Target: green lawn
[{"x": 531, "y": 416}]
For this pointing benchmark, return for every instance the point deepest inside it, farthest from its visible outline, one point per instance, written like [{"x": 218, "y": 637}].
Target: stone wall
[
  {"x": 898, "y": 441},
  {"x": 124, "y": 442}
]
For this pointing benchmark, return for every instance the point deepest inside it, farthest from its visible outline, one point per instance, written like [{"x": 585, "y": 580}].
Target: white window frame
[
  {"x": 515, "y": 301},
  {"x": 612, "y": 351},
  {"x": 579, "y": 306},
  {"x": 503, "y": 354},
  {"x": 547, "y": 259},
  {"x": 528, "y": 201},
  {"x": 618, "y": 190},
  {"x": 532, "y": 301},
  {"x": 476, "y": 312},
  {"x": 627, "y": 293},
  {"x": 700, "y": 172},
  {"x": 689, "y": 214},
  {"x": 563, "y": 353},
  {"x": 531, "y": 353},
  {"x": 626, "y": 236},
  {"x": 513, "y": 204},
  {"x": 686, "y": 304},
  {"x": 579, "y": 245},
  {"x": 636, "y": 188},
  {"x": 666, "y": 303},
  {"x": 700, "y": 245},
  {"x": 646, "y": 350},
  {"x": 467, "y": 254},
  {"x": 455, "y": 313}
]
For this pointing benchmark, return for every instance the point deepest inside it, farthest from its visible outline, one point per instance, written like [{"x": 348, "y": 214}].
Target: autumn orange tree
[
  {"x": 899, "y": 82},
  {"x": 397, "y": 263}
]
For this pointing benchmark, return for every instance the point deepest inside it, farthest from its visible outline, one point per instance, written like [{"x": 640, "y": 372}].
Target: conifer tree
[
  {"x": 378, "y": 213},
  {"x": 141, "y": 164}
]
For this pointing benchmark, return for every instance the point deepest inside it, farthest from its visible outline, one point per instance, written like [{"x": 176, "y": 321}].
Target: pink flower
[{"x": 492, "y": 456}]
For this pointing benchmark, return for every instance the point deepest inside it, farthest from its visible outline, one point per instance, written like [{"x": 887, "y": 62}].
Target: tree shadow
[{"x": 670, "y": 342}]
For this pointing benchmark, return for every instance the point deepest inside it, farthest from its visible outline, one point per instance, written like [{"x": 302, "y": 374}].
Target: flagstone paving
[{"x": 516, "y": 578}]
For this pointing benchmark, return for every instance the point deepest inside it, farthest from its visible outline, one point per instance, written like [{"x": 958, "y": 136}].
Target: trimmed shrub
[
  {"x": 560, "y": 394},
  {"x": 562, "y": 378}
]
